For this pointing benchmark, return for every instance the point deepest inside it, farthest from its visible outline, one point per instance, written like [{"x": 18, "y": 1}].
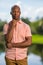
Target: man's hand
[
  {"x": 9, "y": 45},
  {"x": 13, "y": 23}
]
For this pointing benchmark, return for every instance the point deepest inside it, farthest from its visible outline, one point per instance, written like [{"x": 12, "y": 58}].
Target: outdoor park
[
  {"x": 31, "y": 14},
  {"x": 37, "y": 37}
]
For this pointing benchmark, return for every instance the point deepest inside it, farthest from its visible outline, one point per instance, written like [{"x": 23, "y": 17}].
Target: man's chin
[{"x": 16, "y": 18}]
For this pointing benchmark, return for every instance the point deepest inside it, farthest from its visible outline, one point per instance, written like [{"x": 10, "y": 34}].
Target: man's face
[{"x": 16, "y": 13}]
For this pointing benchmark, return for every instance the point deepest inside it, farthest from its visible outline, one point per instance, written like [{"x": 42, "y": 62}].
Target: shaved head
[
  {"x": 15, "y": 12},
  {"x": 15, "y": 6}
]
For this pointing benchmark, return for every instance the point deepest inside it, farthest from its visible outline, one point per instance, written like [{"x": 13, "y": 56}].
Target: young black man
[{"x": 18, "y": 37}]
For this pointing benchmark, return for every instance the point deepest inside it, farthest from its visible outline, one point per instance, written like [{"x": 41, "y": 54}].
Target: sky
[{"x": 29, "y": 8}]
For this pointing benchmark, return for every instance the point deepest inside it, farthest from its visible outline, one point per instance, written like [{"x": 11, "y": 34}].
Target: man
[{"x": 18, "y": 37}]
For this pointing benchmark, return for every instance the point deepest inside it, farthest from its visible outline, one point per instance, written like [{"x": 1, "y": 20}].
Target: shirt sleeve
[
  {"x": 5, "y": 29},
  {"x": 28, "y": 31}
]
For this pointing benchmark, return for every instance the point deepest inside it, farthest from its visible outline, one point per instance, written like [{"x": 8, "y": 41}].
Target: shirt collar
[{"x": 20, "y": 21}]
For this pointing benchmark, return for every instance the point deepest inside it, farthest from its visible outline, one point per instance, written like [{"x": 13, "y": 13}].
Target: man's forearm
[
  {"x": 9, "y": 35},
  {"x": 5, "y": 41},
  {"x": 23, "y": 44},
  {"x": 20, "y": 44}
]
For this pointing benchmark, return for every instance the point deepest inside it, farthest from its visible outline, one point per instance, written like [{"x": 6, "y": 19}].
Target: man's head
[{"x": 15, "y": 12}]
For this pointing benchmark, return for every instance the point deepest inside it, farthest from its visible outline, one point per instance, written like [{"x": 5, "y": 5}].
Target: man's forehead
[{"x": 15, "y": 7}]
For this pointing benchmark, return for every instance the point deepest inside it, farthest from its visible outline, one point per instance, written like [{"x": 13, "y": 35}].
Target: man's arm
[
  {"x": 5, "y": 40},
  {"x": 8, "y": 45},
  {"x": 24, "y": 44}
]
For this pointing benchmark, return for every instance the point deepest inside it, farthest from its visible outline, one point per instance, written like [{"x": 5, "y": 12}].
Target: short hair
[{"x": 15, "y": 6}]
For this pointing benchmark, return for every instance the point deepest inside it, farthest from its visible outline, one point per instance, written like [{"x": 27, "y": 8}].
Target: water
[{"x": 32, "y": 59}]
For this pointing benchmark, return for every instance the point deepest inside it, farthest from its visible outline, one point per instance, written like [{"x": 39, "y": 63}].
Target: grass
[
  {"x": 38, "y": 39},
  {"x": 1, "y": 33}
]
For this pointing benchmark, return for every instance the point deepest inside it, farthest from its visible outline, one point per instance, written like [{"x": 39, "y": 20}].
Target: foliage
[
  {"x": 37, "y": 26},
  {"x": 26, "y": 20},
  {"x": 40, "y": 27},
  {"x": 2, "y": 24}
]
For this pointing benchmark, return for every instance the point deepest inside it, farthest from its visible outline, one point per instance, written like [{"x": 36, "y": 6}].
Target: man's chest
[
  {"x": 19, "y": 30},
  {"x": 19, "y": 33}
]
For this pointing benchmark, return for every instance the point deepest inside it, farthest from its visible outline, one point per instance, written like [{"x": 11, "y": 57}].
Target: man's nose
[{"x": 15, "y": 13}]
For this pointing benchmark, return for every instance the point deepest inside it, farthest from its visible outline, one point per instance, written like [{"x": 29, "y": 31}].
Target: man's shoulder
[
  {"x": 6, "y": 24},
  {"x": 25, "y": 24}
]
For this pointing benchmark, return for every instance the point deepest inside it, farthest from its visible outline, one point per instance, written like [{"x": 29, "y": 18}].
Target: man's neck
[{"x": 16, "y": 20}]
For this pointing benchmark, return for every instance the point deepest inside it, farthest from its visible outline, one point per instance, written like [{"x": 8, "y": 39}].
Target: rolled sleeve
[
  {"x": 5, "y": 29},
  {"x": 28, "y": 31}
]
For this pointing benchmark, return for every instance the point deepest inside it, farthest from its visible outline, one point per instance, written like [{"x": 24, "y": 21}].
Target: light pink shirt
[{"x": 21, "y": 31}]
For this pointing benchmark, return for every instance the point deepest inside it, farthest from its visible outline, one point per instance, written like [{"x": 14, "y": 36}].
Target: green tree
[
  {"x": 26, "y": 20},
  {"x": 40, "y": 27},
  {"x": 2, "y": 24}
]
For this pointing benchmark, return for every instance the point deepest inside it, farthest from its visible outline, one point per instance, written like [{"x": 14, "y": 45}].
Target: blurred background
[{"x": 32, "y": 14}]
